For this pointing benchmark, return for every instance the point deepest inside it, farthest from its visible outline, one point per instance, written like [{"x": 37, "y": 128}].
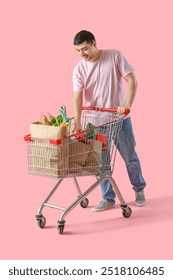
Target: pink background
[{"x": 36, "y": 61}]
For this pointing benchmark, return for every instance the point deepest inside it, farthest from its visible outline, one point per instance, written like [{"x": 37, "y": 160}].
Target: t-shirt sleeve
[
  {"x": 78, "y": 84},
  {"x": 124, "y": 65}
]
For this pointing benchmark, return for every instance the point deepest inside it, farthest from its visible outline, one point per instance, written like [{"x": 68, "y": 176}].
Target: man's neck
[{"x": 97, "y": 55}]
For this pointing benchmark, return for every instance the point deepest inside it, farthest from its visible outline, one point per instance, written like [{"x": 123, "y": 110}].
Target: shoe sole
[
  {"x": 140, "y": 205},
  {"x": 102, "y": 209}
]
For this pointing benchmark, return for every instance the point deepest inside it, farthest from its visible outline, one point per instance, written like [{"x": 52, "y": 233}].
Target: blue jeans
[{"x": 126, "y": 147}]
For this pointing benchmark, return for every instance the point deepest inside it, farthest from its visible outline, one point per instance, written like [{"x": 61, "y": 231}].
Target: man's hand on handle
[{"x": 122, "y": 109}]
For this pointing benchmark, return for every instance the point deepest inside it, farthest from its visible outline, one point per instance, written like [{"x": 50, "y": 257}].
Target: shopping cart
[{"x": 91, "y": 152}]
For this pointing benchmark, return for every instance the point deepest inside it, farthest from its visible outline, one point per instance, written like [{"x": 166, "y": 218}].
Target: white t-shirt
[{"x": 102, "y": 80}]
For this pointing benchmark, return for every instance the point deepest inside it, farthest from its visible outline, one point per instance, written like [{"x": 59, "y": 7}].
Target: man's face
[{"x": 86, "y": 51}]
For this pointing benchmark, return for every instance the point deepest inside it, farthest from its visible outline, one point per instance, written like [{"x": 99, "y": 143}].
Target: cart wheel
[
  {"x": 84, "y": 203},
  {"x": 41, "y": 222},
  {"x": 60, "y": 229},
  {"x": 127, "y": 212}
]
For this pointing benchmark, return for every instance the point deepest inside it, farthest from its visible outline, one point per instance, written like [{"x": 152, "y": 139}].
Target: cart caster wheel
[
  {"x": 60, "y": 229},
  {"x": 127, "y": 212},
  {"x": 84, "y": 203},
  {"x": 41, "y": 222}
]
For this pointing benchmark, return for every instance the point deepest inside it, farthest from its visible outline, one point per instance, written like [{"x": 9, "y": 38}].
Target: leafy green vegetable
[
  {"x": 91, "y": 132},
  {"x": 62, "y": 118},
  {"x": 57, "y": 121},
  {"x": 64, "y": 114}
]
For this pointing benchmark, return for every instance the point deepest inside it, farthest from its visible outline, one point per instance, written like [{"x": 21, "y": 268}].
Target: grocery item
[
  {"x": 64, "y": 114},
  {"x": 56, "y": 121},
  {"x": 91, "y": 132},
  {"x": 44, "y": 120}
]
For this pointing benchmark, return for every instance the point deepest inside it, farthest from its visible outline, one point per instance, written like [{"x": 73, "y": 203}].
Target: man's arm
[
  {"x": 131, "y": 92},
  {"x": 77, "y": 109}
]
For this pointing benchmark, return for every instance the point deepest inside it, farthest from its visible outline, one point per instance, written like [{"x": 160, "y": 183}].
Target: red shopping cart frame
[
  {"x": 80, "y": 136},
  {"x": 109, "y": 110}
]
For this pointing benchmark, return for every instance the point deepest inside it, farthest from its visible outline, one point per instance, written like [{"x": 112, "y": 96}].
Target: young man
[{"x": 99, "y": 78}]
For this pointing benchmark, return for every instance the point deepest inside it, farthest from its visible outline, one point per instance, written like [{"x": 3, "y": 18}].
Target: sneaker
[
  {"x": 140, "y": 198},
  {"x": 103, "y": 205}
]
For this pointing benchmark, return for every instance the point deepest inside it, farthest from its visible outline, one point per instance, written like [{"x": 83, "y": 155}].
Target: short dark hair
[{"x": 82, "y": 36}]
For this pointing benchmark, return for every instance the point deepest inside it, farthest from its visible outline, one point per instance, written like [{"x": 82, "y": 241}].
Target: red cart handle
[
  {"x": 27, "y": 138},
  {"x": 110, "y": 110}
]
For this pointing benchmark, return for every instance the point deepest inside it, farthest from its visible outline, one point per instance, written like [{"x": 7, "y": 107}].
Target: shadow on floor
[{"x": 157, "y": 210}]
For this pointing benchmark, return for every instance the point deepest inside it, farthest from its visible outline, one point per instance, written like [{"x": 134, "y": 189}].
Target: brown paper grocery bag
[
  {"x": 92, "y": 163},
  {"x": 41, "y": 131},
  {"x": 59, "y": 162},
  {"x": 84, "y": 157},
  {"x": 50, "y": 160},
  {"x": 78, "y": 153}
]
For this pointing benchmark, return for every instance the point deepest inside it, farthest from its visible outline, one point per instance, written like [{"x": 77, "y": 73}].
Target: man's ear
[{"x": 94, "y": 43}]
